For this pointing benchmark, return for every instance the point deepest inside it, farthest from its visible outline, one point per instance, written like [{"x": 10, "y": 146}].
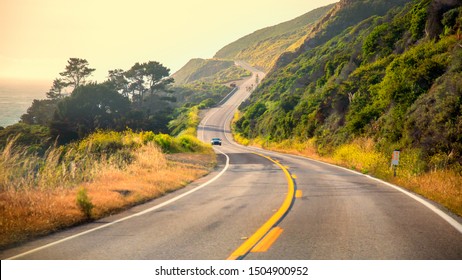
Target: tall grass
[
  {"x": 64, "y": 166},
  {"x": 40, "y": 194}
]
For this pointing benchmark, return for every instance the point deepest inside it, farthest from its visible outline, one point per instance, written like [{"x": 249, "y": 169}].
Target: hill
[
  {"x": 208, "y": 70},
  {"x": 372, "y": 76},
  {"x": 262, "y": 47}
]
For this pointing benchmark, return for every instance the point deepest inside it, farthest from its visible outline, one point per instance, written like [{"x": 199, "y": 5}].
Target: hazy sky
[{"x": 39, "y": 36}]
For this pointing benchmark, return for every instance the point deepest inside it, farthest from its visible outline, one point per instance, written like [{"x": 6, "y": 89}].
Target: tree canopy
[
  {"x": 89, "y": 108},
  {"x": 142, "y": 78},
  {"x": 76, "y": 72}
]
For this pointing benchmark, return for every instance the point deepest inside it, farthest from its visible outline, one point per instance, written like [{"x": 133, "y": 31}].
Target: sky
[{"x": 37, "y": 37}]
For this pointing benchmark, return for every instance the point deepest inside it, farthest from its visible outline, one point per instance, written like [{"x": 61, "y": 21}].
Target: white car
[{"x": 215, "y": 141}]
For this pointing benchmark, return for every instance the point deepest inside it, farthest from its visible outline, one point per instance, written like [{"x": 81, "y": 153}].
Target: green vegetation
[
  {"x": 201, "y": 84},
  {"x": 189, "y": 95},
  {"x": 35, "y": 137},
  {"x": 136, "y": 99},
  {"x": 102, "y": 173},
  {"x": 84, "y": 202},
  {"x": 210, "y": 71},
  {"x": 369, "y": 71},
  {"x": 264, "y": 46},
  {"x": 90, "y": 149},
  {"x": 68, "y": 165}
]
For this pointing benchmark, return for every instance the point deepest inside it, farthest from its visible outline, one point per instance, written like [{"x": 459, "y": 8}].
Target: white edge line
[
  {"x": 432, "y": 207},
  {"x": 436, "y": 210},
  {"x": 131, "y": 216},
  {"x": 144, "y": 211},
  {"x": 453, "y": 222}
]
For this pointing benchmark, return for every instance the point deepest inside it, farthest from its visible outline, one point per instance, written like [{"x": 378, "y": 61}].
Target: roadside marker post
[{"x": 395, "y": 161}]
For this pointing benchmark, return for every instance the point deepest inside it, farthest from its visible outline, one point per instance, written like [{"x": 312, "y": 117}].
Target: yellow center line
[
  {"x": 268, "y": 225},
  {"x": 267, "y": 241},
  {"x": 298, "y": 194}
]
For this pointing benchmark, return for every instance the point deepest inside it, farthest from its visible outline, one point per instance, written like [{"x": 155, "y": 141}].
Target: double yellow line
[{"x": 257, "y": 237}]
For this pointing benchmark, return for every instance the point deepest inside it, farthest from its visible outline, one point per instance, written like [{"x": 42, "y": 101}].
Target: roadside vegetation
[
  {"x": 99, "y": 175},
  {"x": 440, "y": 185},
  {"x": 379, "y": 76},
  {"x": 90, "y": 150}
]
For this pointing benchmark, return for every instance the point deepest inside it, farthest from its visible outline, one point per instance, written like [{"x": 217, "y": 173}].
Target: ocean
[{"x": 17, "y": 96}]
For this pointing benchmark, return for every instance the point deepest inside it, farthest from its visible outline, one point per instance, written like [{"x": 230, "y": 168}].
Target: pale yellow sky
[{"x": 39, "y": 36}]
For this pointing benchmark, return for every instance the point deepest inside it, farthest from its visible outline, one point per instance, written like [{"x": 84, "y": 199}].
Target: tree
[
  {"x": 136, "y": 81},
  {"x": 40, "y": 112},
  {"x": 157, "y": 75},
  {"x": 147, "y": 77},
  {"x": 76, "y": 72},
  {"x": 118, "y": 81},
  {"x": 89, "y": 108},
  {"x": 56, "y": 91}
]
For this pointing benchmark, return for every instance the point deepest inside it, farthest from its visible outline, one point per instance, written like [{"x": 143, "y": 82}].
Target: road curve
[
  {"x": 208, "y": 219},
  {"x": 334, "y": 213},
  {"x": 341, "y": 214}
]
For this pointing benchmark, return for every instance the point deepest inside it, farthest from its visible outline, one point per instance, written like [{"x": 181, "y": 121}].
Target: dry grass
[
  {"x": 441, "y": 186},
  {"x": 31, "y": 212}
]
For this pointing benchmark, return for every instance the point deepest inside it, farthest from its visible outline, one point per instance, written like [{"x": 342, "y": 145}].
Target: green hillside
[
  {"x": 208, "y": 70},
  {"x": 262, "y": 47},
  {"x": 389, "y": 71}
]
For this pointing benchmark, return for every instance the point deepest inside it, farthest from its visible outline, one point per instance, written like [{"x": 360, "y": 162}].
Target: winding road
[{"x": 264, "y": 205}]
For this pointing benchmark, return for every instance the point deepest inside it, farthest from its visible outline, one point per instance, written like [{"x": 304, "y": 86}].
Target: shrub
[
  {"x": 189, "y": 143},
  {"x": 102, "y": 142},
  {"x": 165, "y": 142},
  {"x": 361, "y": 155},
  {"x": 84, "y": 203},
  {"x": 207, "y": 103}
]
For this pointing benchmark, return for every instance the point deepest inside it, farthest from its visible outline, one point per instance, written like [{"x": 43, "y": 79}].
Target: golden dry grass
[
  {"x": 26, "y": 213},
  {"x": 441, "y": 186}
]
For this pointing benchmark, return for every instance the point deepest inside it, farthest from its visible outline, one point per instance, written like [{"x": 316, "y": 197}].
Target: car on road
[{"x": 216, "y": 141}]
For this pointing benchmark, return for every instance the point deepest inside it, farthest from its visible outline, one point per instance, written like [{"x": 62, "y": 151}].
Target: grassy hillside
[
  {"x": 99, "y": 175},
  {"x": 208, "y": 70},
  {"x": 373, "y": 76},
  {"x": 262, "y": 47}
]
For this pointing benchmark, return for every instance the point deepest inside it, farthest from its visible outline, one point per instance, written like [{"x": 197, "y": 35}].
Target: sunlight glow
[{"x": 39, "y": 36}]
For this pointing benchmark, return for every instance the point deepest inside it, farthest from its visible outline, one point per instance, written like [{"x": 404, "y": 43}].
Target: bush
[
  {"x": 189, "y": 143},
  {"x": 84, "y": 203},
  {"x": 207, "y": 103},
  {"x": 361, "y": 155},
  {"x": 102, "y": 142},
  {"x": 433, "y": 123},
  {"x": 165, "y": 142},
  {"x": 35, "y": 137}
]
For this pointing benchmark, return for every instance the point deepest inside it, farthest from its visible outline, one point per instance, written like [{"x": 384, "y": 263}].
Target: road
[{"x": 263, "y": 205}]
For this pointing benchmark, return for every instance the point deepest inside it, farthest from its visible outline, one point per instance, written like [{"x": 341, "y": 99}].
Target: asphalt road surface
[{"x": 264, "y": 205}]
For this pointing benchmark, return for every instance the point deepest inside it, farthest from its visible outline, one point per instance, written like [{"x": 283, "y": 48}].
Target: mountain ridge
[
  {"x": 261, "y": 40},
  {"x": 208, "y": 70},
  {"x": 321, "y": 31}
]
